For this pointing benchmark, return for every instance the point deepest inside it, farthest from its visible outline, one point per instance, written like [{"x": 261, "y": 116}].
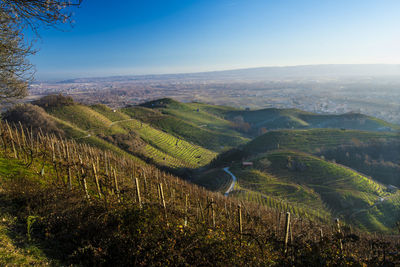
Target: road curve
[{"x": 230, "y": 189}]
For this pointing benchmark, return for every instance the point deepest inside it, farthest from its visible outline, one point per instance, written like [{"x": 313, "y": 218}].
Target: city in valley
[{"x": 334, "y": 89}]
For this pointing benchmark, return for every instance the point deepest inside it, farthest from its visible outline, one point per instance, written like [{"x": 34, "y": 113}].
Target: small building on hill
[{"x": 247, "y": 164}]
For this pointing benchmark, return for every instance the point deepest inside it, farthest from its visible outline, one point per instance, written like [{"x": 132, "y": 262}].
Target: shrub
[
  {"x": 33, "y": 117},
  {"x": 50, "y": 101}
]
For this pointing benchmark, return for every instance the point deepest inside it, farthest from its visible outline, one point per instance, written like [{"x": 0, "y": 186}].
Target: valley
[{"x": 314, "y": 165}]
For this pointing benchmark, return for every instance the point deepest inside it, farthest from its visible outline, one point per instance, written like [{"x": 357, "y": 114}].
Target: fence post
[
  {"x": 116, "y": 185},
  {"x": 138, "y": 192},
  {"x": 212, "y": 212},
  {"x": 240, "y": 220},
  {"x": 186, "y": 210},
  {"x": 69, "y": 168},
  {"x": 12, "y": 140},
  {"x": 96, "y": 179},
  {"x": 84, "y": 178},
  {"x": 321, "y": 234},
  {"x": 339, "y": 233},
  {"x": 201, "y": 210},
  {"x": 287, "y": 226},
  {"x": 162, "y": 199}
]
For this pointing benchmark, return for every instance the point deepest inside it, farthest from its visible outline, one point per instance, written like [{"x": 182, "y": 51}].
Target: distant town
[{"x": 376, "y": 96}]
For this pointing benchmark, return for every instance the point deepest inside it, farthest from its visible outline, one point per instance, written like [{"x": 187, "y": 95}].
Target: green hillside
[
  {"x": 186, "y": 137},
  {"x": 314, "y": 140},
  {"x": 307, "y": 183},
  {"x": 273, "y": 118},
  {"x": 69, "y": 204},
  {"x": 202, "y": 135},
  {"x": 100, "y": 121}
]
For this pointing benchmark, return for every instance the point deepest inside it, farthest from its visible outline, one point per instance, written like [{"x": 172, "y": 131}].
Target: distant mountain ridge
[{"x": 263, "y": 73}]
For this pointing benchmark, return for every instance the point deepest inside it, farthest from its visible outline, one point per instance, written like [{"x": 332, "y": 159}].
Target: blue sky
[{"x": 149, "y": 36}]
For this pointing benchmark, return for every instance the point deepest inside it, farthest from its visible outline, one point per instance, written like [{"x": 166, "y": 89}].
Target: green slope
[
  {"x": 314, "y": 140},
  {"x": 194, "y": 114},
  {"x": 273, "y": 118},
  {"x": 80, "y": 121},
  {"x": 307, "y": 183},
  {"x": 201, "y": 135}
]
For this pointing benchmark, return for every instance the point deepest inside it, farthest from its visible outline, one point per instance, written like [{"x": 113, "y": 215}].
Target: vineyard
[
  {"x": 215, "y": 135},
  {"x": 93, "y": 207},
  {"x": 316, "y": 188},
  {"x": 163, "y": 148}
]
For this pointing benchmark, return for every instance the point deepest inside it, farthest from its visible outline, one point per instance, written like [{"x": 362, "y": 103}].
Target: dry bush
[
  {"x": 51, "y": 101},
  {"x": 33, "y": 117}
]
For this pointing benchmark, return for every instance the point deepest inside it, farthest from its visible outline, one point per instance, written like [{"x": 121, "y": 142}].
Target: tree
[
  {"x": 15, "y": 70},
  {"x": 17, "y": 16}
]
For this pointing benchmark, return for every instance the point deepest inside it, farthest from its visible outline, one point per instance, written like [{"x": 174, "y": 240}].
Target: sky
[{"x": 130, "y": 37}]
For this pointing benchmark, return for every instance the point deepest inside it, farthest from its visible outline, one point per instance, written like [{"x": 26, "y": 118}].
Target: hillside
[
  {"x": 375, "y": 154},
  {"x": 202, "y": 124},
  {"x": 284, "y": 169},
  {"x": 312, "y": 186},
  {"x": 133, "y": 136},
  {"x": 272, "y": 118},
  {"x": 185, "y": 138},
  {"x": 78, "y": 205}
]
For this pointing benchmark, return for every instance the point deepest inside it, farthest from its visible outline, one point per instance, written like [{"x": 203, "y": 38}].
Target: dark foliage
[
  {"x": 51, "y": 101},
  {"x": 130, "y": 142},
  {"x": 32, "y": 117}
]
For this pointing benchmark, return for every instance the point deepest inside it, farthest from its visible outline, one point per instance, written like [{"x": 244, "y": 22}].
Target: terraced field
[
  {"x": 192, "y": 155},
  {"x": 85, "y": 118},
  {"x": 313, "y": 140},
  {"x": 166, "y": 150},
  {"x": 273, "y": 118},
  {"x": 200, "y": 135},
  {"x": 193, "y": 113},
  {"x": 309, "y": 183},
  {"x": 298, "y": 209}
]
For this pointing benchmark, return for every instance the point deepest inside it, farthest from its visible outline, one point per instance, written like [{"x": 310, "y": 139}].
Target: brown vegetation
[
  {"x": 52, "y": 101},
  {"x": 32, "y": 117}
]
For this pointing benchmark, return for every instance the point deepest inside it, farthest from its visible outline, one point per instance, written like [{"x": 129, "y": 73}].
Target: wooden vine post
[
  {"x": 201, "y": 210},
  {"x": 69, "y": 168},
  {"x": 97, "y": 180},
  {"x": 116, "y": 185},
  {"x": 339, "y": 232},
  {"x": 240, "y": 221},
  {"x": 162, "y": 199},
  {"x": 212, "y": 212},
  {"x": 138, "y": 192},
  {"x": 186, "y": 210},
  {"x": 287, "y": 228},
  {"x": 84, "y": 178},
  {"x": 321, "y": 234},
  {"x": 12, "y": 140}
]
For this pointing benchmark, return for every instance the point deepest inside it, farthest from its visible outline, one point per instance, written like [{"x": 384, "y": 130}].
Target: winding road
[{"x": 230, "y": 189}]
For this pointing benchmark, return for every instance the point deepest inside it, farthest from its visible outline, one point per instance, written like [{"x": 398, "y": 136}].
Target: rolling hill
[
  {"x": 336, "y": 170},
  {"x": 272, "y": 119},
  {"x": 310, "y": 185}
]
